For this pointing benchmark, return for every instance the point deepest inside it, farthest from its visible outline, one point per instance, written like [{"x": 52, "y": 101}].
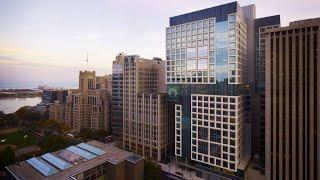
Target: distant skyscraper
[
  {"x": 89, "y": 107},
  {"x": 260, "y": 26},
  {"x": 207, "y": 67},
  {"x": 145, "y": 116},
  {"x": 292, "y": 101}
]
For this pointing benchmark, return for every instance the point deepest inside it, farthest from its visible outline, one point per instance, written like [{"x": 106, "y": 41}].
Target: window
[
  {"x": 202, "y": 133},
  {"x": 215, "y": 135},
  {"x": 191, "y": 64},
  {"x": 191, "y": 53},
  {"x": 215, "y": 150},
  {"x": 203, "y": 51},
  {"x": 232, "y": 52},
  {"x": 202, "y": 147},
  {"x": 232, "y": 17},
  {"x": 199, "y": 24},
  {"x": 202, "y": 64}
]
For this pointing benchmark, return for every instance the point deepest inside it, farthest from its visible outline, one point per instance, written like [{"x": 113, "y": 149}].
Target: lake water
[{"x": 10, "y": 105}]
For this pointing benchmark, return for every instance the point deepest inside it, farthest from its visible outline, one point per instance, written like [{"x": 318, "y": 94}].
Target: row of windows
[
  {"x": 199, "y": 73},
  {"x": 190, "y": 32},
  {"x": 205, "y": 116},
  {"x": 217, "y": 120},
  {"x": 191, "y": 44},
  {"x": 213, "y": 161},
  {"x": 190, "y": 38},
  {"x": 192, "y": 25}
]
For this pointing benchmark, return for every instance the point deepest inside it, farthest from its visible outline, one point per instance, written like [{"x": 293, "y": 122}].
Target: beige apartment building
[
  {"x": 145, "y": 121},
  {"x": 89, "y": 106},
  {"x": 57, "y": 111},
  {"x": 292, "y": 101}
]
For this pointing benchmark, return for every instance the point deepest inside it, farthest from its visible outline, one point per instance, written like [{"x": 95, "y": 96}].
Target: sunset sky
[{"x": 46, "y": 41}]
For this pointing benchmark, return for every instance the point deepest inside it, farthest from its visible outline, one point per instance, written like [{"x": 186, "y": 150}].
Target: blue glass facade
[
  {"x": 117, "y": 101},
  {"x": 219, "y": 12},
  {"x": 221, "y": 48}
]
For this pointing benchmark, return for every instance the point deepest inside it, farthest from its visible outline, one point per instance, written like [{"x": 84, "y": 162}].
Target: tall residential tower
[{"x": 139, "y": 106}]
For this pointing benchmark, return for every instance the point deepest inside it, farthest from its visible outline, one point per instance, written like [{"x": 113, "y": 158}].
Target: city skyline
[
  {"x": 53, "y": 46},
  {"x": 224, "y": 90}
]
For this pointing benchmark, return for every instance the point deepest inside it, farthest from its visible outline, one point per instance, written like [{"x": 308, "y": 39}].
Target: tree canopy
[
  {"x": 89, "y": 134},
  {"x": 54, "y": 143},
  {"x": 25, "y": 113},
  {"x": 152, "y": 171},
  {"x": 8, "y": 119},
  {"x": 7, "y": 157}
]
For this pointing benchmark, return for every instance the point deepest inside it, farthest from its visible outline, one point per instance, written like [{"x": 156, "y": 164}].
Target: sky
[{"x": 46, "y": 41}]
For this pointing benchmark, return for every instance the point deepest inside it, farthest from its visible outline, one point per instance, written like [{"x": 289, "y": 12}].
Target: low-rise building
[{"x": 90, "y": 160}]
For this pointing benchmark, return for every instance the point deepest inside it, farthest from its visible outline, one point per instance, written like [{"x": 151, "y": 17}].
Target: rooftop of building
[
  {"x": 267, "y": 21},
  {"x": 297, "y": 25},
  {"x": 72, "y": 160},
  {"x": 220, "y": 12}
]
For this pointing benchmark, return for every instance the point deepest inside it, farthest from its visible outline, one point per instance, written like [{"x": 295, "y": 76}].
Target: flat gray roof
[{"x": 72, "y": 163}]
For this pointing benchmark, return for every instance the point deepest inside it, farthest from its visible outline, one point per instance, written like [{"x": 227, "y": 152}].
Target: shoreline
[{"x": 20, "y": 93}]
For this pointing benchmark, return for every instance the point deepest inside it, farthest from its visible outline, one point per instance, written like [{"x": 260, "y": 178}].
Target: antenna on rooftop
[
  {"x": 87, "y": 61},
  {"x": 87, "y": 57}
]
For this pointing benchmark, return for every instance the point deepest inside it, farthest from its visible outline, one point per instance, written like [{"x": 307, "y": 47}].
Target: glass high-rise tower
[{"x": 206, "y": 76}]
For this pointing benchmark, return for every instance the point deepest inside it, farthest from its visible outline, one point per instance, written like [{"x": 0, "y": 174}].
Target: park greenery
[
  {"x": 8, "y": 120},
  {"x": 26, "y": 114},
  {"x": 6, "y": 157},
  {"x": 26, "y": 128},
  {"x": 53, "y": 143},
  {"x": 18, "y": 138},
  {"x": 89, "y": 134}
]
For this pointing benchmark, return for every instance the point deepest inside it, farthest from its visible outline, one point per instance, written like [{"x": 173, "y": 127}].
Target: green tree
[
  {"x": 86, "y": 134},
  {"x": 53, "y": 143},
  {"x": 21, "y": 111},
  {"x": 11, "y": 119},
  {"x": 100, "y": 134},
  {"x": 89, "y": 134},
  {"x": 8, "y": 120},
  {"x": 26, "y": 114},
  {"x": 6, "y": 157},
  {"x": 152, "y": 171}
]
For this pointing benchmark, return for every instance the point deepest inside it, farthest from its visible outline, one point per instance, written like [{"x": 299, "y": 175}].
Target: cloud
[
  {"x": 9, "y": 60},
  {"x": 19, "y": 52},
  {"x": 10, "y": 50},
  {"x": 89, "y": 37}
]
